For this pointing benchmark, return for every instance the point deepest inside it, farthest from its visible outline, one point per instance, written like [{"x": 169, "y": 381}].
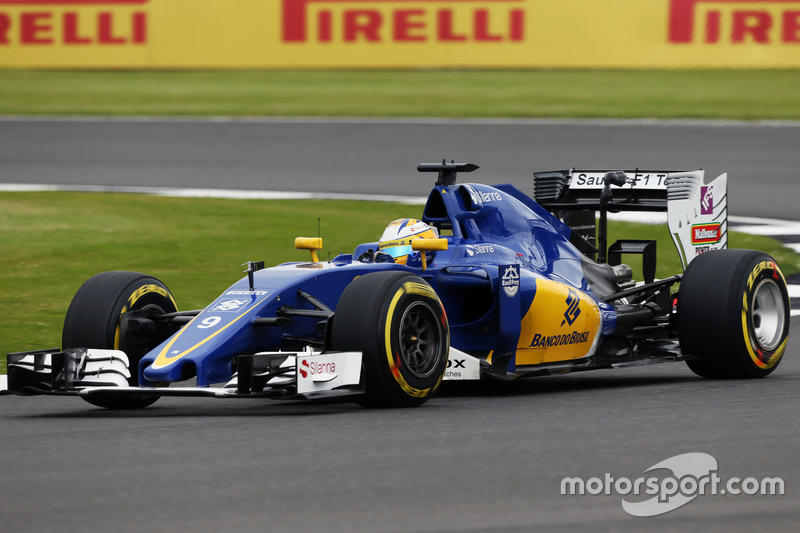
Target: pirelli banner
[{"x": 399, "y": 33}]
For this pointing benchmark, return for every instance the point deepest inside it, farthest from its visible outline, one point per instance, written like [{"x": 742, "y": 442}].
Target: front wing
[
  {"x": 90, "y": 372},
  {"x": 275, "y": 375}
]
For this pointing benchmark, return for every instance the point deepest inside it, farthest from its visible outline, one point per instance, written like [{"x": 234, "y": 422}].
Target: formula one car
[{"x": 508, "y": 287}]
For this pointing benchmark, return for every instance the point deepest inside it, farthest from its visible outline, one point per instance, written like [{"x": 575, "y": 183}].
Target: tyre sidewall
[
  {"x": 763, "y": 361},
  {"x": 367, "y": 320},
  {"x": 93, "y": 319},
  {"x": 403, "y": 295},
  {"x": 715, "y": 320}
]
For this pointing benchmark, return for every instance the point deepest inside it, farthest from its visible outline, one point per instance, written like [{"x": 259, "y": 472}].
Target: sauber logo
[
  {"x": 230, "y": 305},
  {"x": 378, "y": 21},
  {"x": 706, "y": 233},
  {"x": 735, "y": 21},
  {"x": 73, "y": 22},
  {"x": 317, "y": 371}
]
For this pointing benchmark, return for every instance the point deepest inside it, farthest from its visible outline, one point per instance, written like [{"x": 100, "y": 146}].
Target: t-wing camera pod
[{"x": 447, "y": 171}]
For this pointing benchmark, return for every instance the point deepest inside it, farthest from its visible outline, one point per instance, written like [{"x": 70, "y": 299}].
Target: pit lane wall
[{"x": 284, "y": 34}]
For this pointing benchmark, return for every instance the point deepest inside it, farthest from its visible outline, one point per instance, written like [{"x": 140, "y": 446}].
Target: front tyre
[
  {"x": 733, "y": 314},
  {"x": 94, "y": 320},
  {"x": 398, "y": 323}
]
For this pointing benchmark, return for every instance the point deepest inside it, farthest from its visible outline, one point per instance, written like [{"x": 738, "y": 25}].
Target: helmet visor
[{"x": 398, "y": 251}]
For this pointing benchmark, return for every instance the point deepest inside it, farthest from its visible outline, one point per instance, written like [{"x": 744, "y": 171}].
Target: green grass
[
  {"x": 668, "y": 261},
  {"x": 707, "y": 94},
  {"x": 52, "y": 242}
]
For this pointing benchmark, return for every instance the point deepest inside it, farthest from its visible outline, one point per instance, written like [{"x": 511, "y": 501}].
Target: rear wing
[{"x": 697, "y": 212}]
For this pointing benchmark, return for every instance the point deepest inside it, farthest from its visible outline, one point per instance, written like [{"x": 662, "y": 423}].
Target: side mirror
[
  {"x": 309, "y": 243},
  {"x": 426, "y": 245}
]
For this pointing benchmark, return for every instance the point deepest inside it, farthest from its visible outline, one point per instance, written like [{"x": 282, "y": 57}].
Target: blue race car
[{"x": 488, "y": 284}]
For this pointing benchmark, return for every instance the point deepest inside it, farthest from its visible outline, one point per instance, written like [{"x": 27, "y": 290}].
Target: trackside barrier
[{"x": 399, "y": 33}]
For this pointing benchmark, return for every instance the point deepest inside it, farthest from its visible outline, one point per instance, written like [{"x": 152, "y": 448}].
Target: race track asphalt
[
  {"x": 473, "y": 459},
  {"x": 372, "y": 157}
]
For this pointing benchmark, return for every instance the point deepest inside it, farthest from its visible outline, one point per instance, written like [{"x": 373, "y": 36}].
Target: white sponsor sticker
[
  {"x": 321, "y": 372},
  {"x": 509, "y": 279},
  {"x": 473, "y": 249},
  {"x": 639, "y": 180},
  {"x": 462, "y": 367},
  {"x": 247, "y": 293}
]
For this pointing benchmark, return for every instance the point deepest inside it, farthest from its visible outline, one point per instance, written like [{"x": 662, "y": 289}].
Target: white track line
[
  {"x": 214, "y": 193},
  {"x": 478, "y": 121},
  {"x": 794, "y": 292},
  {"x": 787, "y": 228}
]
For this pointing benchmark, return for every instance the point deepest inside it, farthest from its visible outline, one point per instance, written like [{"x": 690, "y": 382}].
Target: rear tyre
[
  {"x": 733, "y": 314},
  {"x": 396, "y": 320},
  {"x": 94, "y": 320}
]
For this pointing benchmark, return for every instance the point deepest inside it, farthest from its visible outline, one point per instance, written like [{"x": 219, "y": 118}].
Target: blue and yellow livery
[{"x": 507, "y": 287}]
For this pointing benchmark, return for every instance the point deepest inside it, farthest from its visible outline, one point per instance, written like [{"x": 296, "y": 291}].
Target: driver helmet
[{"x": 397, "y": 237}]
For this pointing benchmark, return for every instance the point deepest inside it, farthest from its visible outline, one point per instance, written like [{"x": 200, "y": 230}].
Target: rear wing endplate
[{"x": 697, "y": 212}]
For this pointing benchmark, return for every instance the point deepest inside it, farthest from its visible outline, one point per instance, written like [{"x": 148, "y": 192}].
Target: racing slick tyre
[
  {"x": 94, "y": 320},
  {"x": 733, "y": 314},
  {"x": 398, "y": 323}
]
